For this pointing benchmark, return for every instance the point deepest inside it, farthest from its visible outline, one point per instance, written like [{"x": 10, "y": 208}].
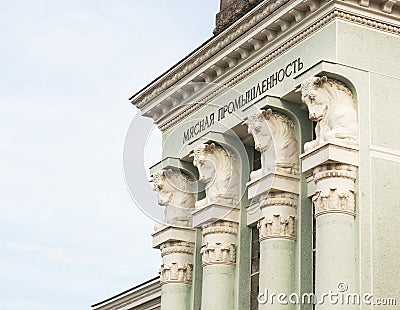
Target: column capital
[
  {"x": 277, "y": 227},
  {"x": 177, "y": 248},
  {"x": 334, "y": 201},
  {"x": 219, "y": 243},
  {"x": 278, "y": 216},
  {"x": 334, "y": 172}
]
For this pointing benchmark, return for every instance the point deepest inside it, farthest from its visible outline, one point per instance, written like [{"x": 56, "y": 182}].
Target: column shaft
[
  {"x": 218, "y": 287},
  {"x": 277, "y": 251},
  {"x": 175, "y": 296},
  {"x": 336, "y": 266},
  {"x": 219, "y": 257}
]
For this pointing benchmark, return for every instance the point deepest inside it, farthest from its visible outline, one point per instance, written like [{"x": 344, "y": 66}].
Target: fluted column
[
  {"x": 334, "y": 203},
  {"x": 277, "y": 230},
  {"x": 219, "y": 258}
]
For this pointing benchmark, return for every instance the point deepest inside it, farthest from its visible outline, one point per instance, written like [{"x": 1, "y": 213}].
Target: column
[
  {"x": 175, "y": 238},
  {"x": 177, "y": 249},
  {"x": 333, "y": 160},
  {"x": 336, "y": 236},
  {"x": 218, "y": 217},
  {"x": 277, "y": 230},
  {"x": 219, "y": 258},
  {"x": 273, "y": 191}
]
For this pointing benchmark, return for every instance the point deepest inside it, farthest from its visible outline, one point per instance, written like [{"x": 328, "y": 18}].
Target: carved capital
[
  {"x": 176, "y": 247},
  {"x": 334, "y": 201},
  {"x": 219, "y": 241},
  {"x": 336, "y": 170},
  {"x": 335, "y": 189},
  {"x": 177, "y": 266},
  {"x": 220, "y": 227},
  {"x": 279, "y": 199},
  {"x": 277, "y": 227},
  {"x": 176, "y": 273},
  {"x": 218, "y": 253}
]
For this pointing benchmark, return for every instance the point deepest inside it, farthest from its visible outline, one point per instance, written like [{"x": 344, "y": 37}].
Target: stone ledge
[
  {"x": 329, "y": 153},
  {"x": 274, "y": 182},
  {"x": 171, "y": 233},
  {"x": 214, "y": 212}
]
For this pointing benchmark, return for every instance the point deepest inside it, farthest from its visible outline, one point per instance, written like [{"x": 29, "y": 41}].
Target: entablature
[{"x": 258, "y": 37}]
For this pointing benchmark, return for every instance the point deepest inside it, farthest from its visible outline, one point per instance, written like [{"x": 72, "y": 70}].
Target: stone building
[{"x": 281, "y": 161}]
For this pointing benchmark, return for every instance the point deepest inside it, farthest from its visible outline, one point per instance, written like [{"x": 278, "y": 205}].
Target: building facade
[{"x": 280, "y": 160}]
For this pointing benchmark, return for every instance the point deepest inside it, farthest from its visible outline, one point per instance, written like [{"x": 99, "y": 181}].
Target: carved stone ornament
[
  {"x": 177, "y": 264},
  {"x": 176, "y": 273},
  {"x": 330, "y": 104},
  {"x": 277, "y": 227},
  {"x": 334, "y": 201},
  {"x": 176, "y": 247},
  {"x": 275, "y": 138},
  {"x": 219, "y": 170},
  {"x": 174, "y": 191},
  {"x": 218, "y": 253},
  {"x": 272, "y": 199},
  {"x": 335, "y": 189}
]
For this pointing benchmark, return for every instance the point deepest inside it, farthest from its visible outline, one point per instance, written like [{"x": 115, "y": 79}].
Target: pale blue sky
[{"x": 70, "y": 235}]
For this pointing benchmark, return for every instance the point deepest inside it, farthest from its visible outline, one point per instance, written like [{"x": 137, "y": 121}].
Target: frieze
[{"x": 290, "y": 43}]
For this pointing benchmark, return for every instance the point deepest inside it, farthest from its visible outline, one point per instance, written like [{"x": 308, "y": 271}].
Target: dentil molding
[{"x": 380, "y": 15}]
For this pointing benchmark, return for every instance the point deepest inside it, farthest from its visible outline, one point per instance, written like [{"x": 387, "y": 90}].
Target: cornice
[
  {"x": 204, "y": 53},
  {"x": 281, "y": 49},
  {"x": 171, "y": 104}
]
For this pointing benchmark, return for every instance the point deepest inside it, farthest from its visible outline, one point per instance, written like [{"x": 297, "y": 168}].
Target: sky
[{"x": 70, "y": 233}]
